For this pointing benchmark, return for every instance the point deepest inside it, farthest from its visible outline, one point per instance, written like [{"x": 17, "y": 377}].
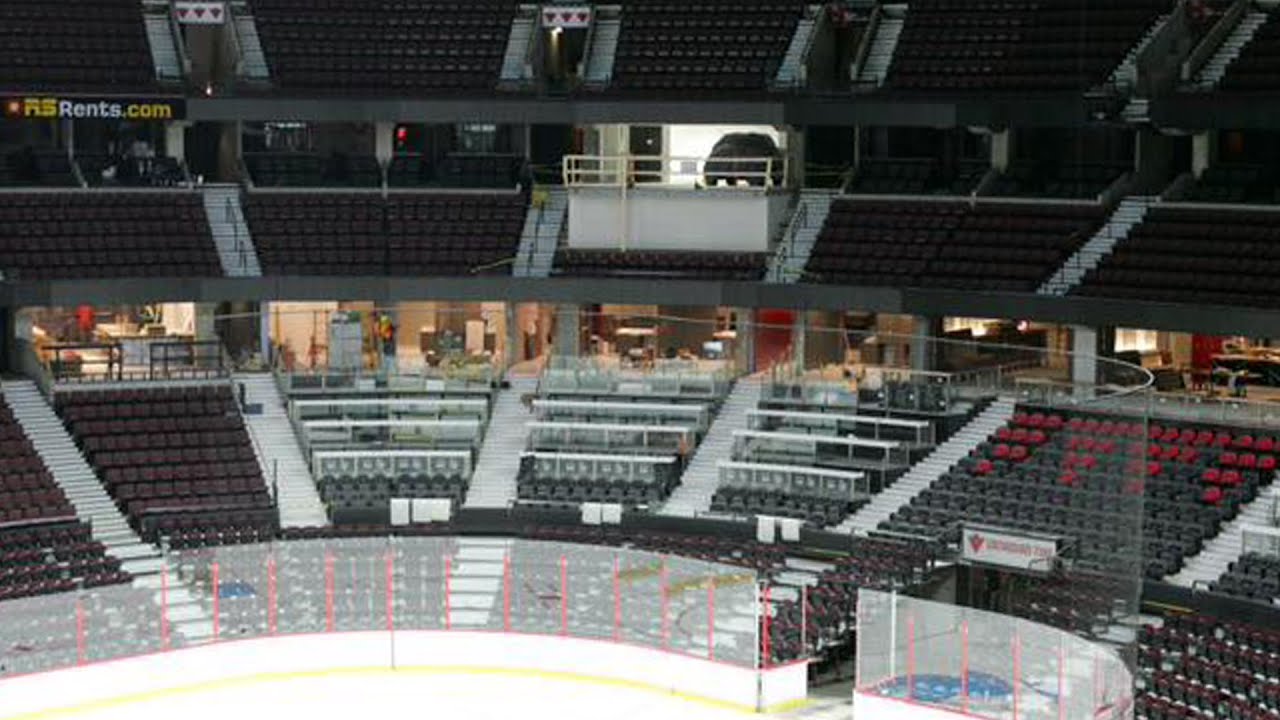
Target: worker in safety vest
[{"x": 387, "y": 336}]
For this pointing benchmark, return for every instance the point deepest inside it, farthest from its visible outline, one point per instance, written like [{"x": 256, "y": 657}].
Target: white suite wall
[
  {"x": 460, "y": 652},
  {"x": 719, "y": 219}
]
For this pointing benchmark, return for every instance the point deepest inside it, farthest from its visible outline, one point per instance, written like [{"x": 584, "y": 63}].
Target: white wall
[
  {"x": 724, "y": 219},
  {"x": 458, "y": 651}
]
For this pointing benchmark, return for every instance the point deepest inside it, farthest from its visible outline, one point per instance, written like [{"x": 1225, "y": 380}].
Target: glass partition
[
  {"x": 593, "y": 437},
  {"x": 695, "y": 415},
  {"x": 984, "y": 664},
  {"x": 408, "y": 408}
]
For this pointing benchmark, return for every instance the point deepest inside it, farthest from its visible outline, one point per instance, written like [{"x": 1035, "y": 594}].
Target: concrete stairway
[
  {"x": 516, "y": 71},
  {"x": 788, "y": 263},
  {"x": 493, "y": 484},
  {"x": 236, "y": 252},
  {"x": 606, "y": 27},
  {"x": 253, "y": 61},
  {"x": 1125, "y": 75},
  {"x": 164, "y": 50},
  {"x": 1217, "y": 553},
  {"x": 475, "y": 583},
  {"x": 541, "y": 236},
  {"x": 279, "y": 454},
  {"x": 1127, "y": 215},
  {"x": 1213, "y": 71},
  {"x": 792, "y": 71},
  {"x": 701, "y": 478},
  {"x": 880, "y": 55},
  {"x": 924, "y": 473},
  {"x": 73, "y": 474}
]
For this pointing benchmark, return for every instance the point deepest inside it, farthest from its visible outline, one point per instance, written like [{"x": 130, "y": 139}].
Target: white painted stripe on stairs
[{"x": 924, "y": 473}]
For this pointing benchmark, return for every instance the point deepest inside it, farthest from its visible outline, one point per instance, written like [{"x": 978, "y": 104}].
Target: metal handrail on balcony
[{"x": 626, "y": 171}]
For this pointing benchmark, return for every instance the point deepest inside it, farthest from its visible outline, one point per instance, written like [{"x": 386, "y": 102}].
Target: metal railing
[
  {"x": 787, "y": 248},
  {"x": 625, "y": 171}
]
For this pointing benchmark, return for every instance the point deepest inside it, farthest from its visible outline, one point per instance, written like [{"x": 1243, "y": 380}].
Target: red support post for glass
[
  {"x": 217, "y": 592},
  {"x": 804, "y": 619},
  {"x": 506, "y": 593},
  {"x": 911, "y": 657},
  {"x": 766, "y": 641},
  {"x": 564, "y": 595},
  {"x": 1017, "y": 672},
  {"x": 164, "y": 607},
  {"x": 328, "y": 592},
  {"x": 964, "y": 666},
  {"x": 617, "y": 602},
  {"x": 272, "y": 602},
  {"x": 81, "y": 649},
  {"x": 448, "y": 582},
  {"x": 391, "y": 596},
  {"x": 666, "y": 630},
  {"x": 711, "y": 618}
]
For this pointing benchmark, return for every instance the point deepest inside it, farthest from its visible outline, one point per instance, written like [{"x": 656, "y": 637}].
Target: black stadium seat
[{"x": 49, "y": 236}]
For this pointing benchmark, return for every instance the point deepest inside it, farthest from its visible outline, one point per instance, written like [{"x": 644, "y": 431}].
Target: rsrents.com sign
[{"x": 53, "y": 108}]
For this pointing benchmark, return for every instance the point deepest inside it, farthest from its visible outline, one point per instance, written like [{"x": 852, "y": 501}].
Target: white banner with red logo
[
  {"x": 566, "y": 16},
  {"x": 200, "y": 12},
  {"x": 1001, "y": 548}
]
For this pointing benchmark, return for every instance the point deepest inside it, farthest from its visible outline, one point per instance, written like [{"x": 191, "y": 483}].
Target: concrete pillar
[
  {"x": 745, "y": 360},
  {"x": 175, "y": 140},
  {"x": 264, "y": 333},
  {"x": 799, "y": 338},
  {"x": 1001, "y": 149},
  {"x": 1084, "y": 355},
  {"x": 1203, "y": 148},
  {"x": 795, "y": 153},
  {"x": 568, "y": 331},
  {"x": 924, "y": 350},
  {"x": 384, "y": 141},
  {"x": 515, "y": 338}
]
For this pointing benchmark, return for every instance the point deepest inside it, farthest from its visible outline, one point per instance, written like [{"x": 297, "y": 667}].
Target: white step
[
  {"x": 515, "y": 61},
  {"x": 164, "y": 50},
  {"x": 253, "y": 61},
  {"x": 792, "y": 255},
  {"x": 792, "y": 71},
  {"x": 606, "y": 27},
  {"x": 279, "y": 453},
  {"x": 1125, "y": 75},
  {"x": 1126, "y": 216},
  {"x": 929, "y": 469},
  {"x": 493, "y": 484},
  {"x": 1228, "y": 545},
  {"x": 692, "y": 497},
  {"x": 541, "y": 236},
  {"x": 875, "y": 68},
  {"x": 71, "y": 472},
  {"x": 231, "y": 235},
  {"x": 1241, "y": 35}
]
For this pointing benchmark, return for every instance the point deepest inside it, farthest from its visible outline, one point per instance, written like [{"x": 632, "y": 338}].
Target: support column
[
  {"x": 383, "y": 141},
  {"x": 745, "y": 348},
  {"x": 795, "y": 158},
  {"x": 1084, "y": 355},
  {"x": 799, "y": 338},
  {"x": 924, "y": 348},
  {"x": 175, "y": 141},
  {"x": 1204, "y": 147},
  {"x": 568, "y": 331},
  {"x": 515, "y": 339},
  {"x": 264, "y": 334},
  {"x": 1001, "y": 149}
]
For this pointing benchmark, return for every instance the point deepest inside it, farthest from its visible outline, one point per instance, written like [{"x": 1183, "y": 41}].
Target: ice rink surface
[{"x": 440, "y": 695}]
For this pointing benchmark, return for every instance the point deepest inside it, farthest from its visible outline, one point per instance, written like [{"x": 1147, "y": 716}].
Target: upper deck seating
[{"x": 410, "y": 47}]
